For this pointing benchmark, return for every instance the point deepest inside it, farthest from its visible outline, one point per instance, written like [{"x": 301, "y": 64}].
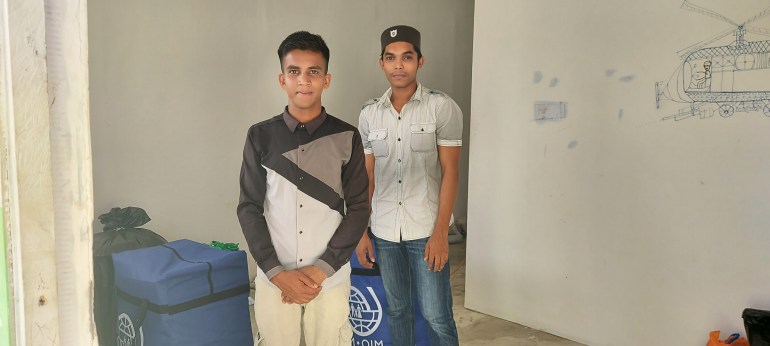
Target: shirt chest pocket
[
  {"x": 423, "y": 137},
  {"x": 379, "y": 141}
]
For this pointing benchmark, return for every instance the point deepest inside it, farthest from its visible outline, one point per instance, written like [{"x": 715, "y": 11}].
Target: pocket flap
[
  {"x": 378, "y": 135},
  {"x": 423, "y": 128}
]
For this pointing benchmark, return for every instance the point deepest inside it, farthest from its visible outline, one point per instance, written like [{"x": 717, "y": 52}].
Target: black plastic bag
[
  {"x": 757, "y": 324},
  {"x": 120, "y": 234}
]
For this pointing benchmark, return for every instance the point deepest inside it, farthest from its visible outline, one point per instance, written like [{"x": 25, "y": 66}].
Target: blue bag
[
  {"x": 367, "y": 309},
  {"x": 182, "y": 293}
]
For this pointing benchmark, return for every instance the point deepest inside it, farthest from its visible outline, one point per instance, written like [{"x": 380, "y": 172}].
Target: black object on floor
[
  {"x": 757, "y": 324},
  {"x": 120, "y": 234}
]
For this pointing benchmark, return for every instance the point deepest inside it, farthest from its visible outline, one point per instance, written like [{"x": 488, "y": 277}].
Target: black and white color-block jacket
[{"x": 304, "y": 195}]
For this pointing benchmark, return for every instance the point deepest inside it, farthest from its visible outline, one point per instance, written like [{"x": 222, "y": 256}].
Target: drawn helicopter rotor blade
[
  {"x": 757, "y": 16},
  {"x": 685, "y": 52},
  {"x": 760, "y": 31},
  {"x": 695, "y": 8}
]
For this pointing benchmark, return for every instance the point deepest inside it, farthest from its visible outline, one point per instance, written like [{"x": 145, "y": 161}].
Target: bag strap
[{"x": 181, "y": 307}]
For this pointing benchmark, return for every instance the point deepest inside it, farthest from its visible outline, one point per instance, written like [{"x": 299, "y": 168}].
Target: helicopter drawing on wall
[{"x": 721, "y": 79}]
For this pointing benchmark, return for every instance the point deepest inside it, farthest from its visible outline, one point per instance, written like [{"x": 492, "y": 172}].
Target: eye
[
  {"x": 388, "y": 58},
  {"x": 314, "y": 72},
  {"x": 293, "y": 72},
  {"x": 408, "y": 58}
]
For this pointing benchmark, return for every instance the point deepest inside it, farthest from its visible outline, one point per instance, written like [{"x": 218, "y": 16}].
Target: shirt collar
[
  {"x": 292, "y": 123},
  {"x": 417, "y": 96}
]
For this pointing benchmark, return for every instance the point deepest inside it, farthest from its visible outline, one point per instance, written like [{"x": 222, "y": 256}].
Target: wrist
[
  {"x": 276, "y": 278},
  {"x": 440, "y": 235}
]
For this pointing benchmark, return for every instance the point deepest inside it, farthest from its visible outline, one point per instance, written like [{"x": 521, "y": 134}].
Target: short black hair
[{"x": 303, "y": 40}]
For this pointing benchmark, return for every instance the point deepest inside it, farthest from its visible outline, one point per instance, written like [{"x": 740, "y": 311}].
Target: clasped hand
[{"x": 299, "y": 286}]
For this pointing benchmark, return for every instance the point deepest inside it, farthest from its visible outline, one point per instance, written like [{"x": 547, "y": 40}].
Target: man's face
[
  {"x": 304, "y": 78},
  {"x": 400, "y": 64}
]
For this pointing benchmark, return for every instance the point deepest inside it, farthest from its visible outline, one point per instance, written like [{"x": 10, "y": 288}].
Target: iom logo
[
  {"x": 364, "y": 316},
  {"x": 127, "y": 335}
]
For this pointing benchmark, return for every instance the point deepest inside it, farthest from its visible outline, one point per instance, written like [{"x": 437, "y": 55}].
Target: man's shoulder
[
  {"x": 435, "y": 93},
  {"x": 438, "y": 99},
  {"x": 341, "y": 124},
  {"x": 370, "y": 102},
  {"x": 269, "y": 122}
]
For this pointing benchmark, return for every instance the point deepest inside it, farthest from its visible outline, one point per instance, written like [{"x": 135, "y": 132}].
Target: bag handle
[{"x": 374, "y": 271}]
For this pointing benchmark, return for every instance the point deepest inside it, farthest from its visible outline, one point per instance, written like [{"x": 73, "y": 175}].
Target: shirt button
[
  {"x": 399, "y": 160},
  {"x": 399, "y": 139},
  {"x": 300, "y": 205},
  {"x": 399, "y": 181},
  {"x": 300, "y": 232},
  {"x": 399, "y": 118},
  {"x": 399, "y": 203},
  {"x": 300, "y": 260}
]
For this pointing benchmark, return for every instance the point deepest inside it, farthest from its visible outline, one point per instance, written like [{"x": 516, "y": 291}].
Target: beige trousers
[{"x": 324, "y": 319}]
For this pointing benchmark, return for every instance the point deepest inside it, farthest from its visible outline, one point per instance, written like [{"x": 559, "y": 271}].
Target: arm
[
  {"x": 251, "y": 209},
  {"x": 437, "y": 249},
  {"x": 449, "y": 134},
  {"x": 355, "y": 186},
  {"x": 364, "y": 249}
]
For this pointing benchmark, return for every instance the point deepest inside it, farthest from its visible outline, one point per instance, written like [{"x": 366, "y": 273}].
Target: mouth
[
  {"x": 304, "y": 93},
  {"x": 398, "y": 75}
]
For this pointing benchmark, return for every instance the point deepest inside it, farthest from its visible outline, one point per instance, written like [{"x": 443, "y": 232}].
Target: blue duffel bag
[
  {"x": 367, "y": 309},
  {"x": 182, "y": 293}
]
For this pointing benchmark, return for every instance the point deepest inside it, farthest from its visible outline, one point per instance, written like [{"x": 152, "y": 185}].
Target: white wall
[
  {"x": 175, "y": 85},
  {"x": 611, "y": 227}
]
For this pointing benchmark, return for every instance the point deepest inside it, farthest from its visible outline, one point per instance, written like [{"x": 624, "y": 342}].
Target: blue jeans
[{"x": 404, "y": 271}]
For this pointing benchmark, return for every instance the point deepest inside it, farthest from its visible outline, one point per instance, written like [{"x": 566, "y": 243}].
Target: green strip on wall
[{"x": 5, "y": 308}]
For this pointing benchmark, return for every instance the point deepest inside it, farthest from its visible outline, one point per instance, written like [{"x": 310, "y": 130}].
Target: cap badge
[{"x": 393, "y": 33}]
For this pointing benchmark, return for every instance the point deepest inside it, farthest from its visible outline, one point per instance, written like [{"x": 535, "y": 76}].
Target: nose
[
  {"x": 303, "y": 79},
  {"x": 399, "y": 64}
]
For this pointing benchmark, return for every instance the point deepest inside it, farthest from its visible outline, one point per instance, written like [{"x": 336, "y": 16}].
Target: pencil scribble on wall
[
  {"x": 550, "y": 110},
  {"x": 721, "y": 78}
]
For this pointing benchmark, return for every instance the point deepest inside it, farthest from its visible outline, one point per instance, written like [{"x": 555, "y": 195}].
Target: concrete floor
[{"x": 475, "y": 328}]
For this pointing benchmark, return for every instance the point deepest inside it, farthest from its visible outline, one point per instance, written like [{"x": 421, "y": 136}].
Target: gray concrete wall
[{"x": 175, "y": 85}]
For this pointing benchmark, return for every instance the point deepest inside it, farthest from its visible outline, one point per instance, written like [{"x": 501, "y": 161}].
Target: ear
[
  {"x": 382, "y": 64},
  {"x": 421, "y": 61},
  {"x": 327, "y": 80},
  {"x": 281, "y": 80}
]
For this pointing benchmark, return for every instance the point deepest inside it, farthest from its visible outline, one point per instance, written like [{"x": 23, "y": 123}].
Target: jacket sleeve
[{"x": 251, "y": 208}]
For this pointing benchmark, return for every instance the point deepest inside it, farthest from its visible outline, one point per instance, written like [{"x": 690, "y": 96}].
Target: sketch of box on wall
[{"x": 550, "y": 110}]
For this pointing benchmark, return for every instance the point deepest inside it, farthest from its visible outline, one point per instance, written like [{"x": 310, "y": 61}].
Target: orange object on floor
[{"x": 714, "y": 340}]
